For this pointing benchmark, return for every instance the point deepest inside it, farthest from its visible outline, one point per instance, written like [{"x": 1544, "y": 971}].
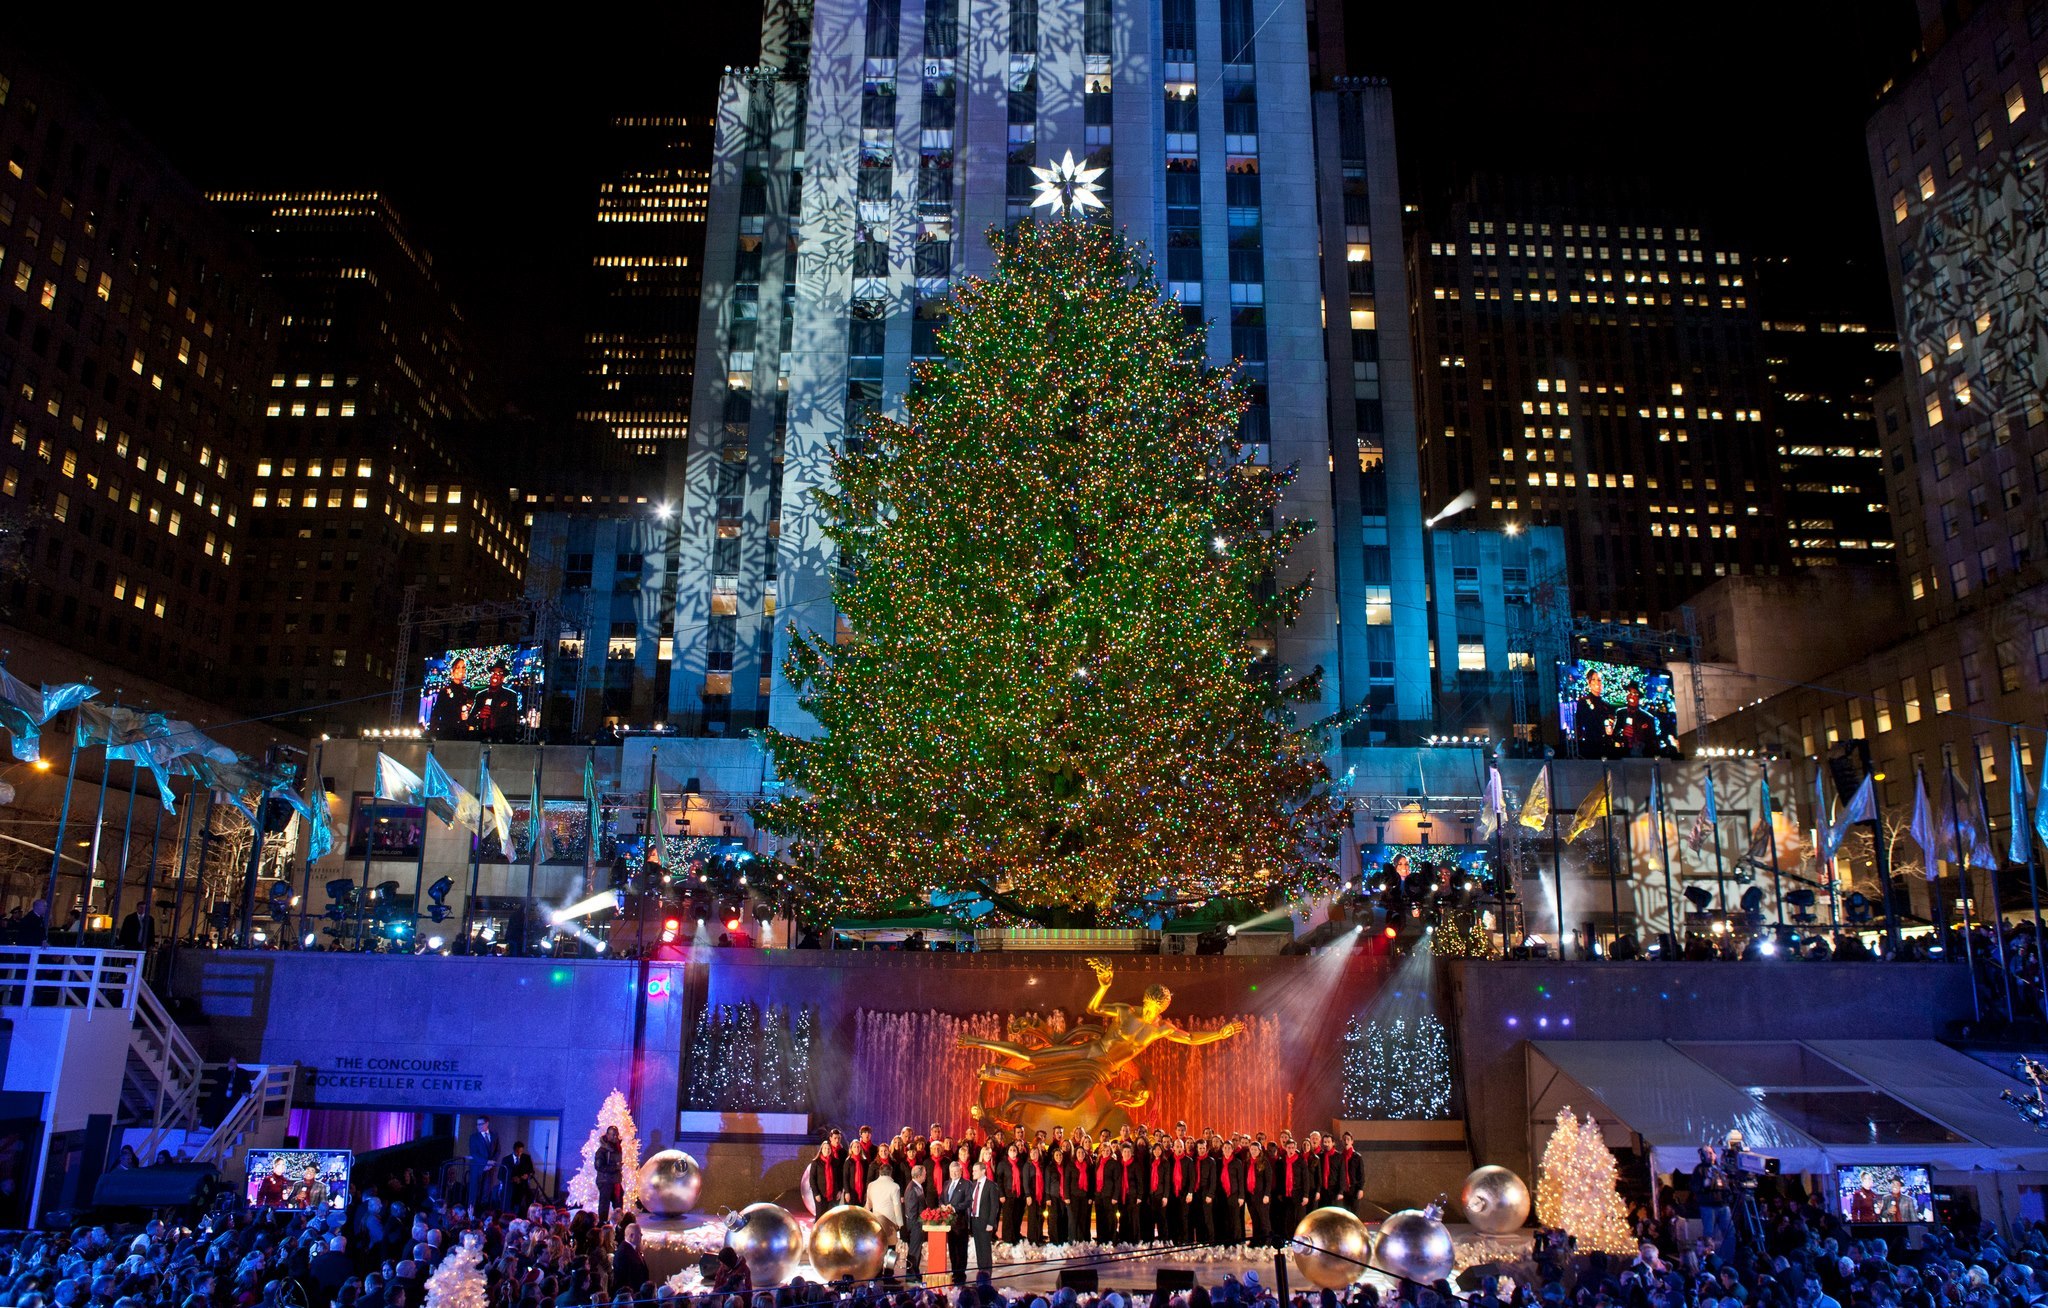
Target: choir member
[{"x": 1351, "y": 1174}]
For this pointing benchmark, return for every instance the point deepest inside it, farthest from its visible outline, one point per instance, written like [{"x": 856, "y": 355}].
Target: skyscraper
[
  {"x": 1592, "y": 361},
  {"x": 647, "y": 244},
  {"x": 858, "y": 164},
  {"x": 135, "y": 350},
  {"x": 1825, "y": 360},
  {"x": 366, "y": 499}
]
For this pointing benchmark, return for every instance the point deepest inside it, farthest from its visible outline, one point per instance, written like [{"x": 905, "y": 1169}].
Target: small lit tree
[
  {"x": 583, "y": 1185},
  {"x": 459, "y": 1281},
  {"x": 1575, "y": 1187}
]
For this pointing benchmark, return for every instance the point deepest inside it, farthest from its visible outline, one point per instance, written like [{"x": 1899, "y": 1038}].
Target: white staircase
[{"x": 81, "y": 1014}]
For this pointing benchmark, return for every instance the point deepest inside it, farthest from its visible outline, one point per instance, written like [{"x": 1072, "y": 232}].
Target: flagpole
[
  {"x": 256, "y": 832},
  {"x": 1720, "y": 864},
  {"x": 63, "y": 821},
  {"x": 1613, "y": 865},
  {"x": 316, "y": 793},
  {"x": 1501, "y": 880},
  {"x": 476, "y": 852},
  {"x": 184, "y": 858},
  {"x": 1556, "y": 855},
  {"x": 592, "y": 818},
  {"x": 127, "y": 836},
  {"x": 1997, "y": 907},
  {"x": 1763, "y": 769},
  {"x": 2021, "y": 822},
  {"x": 1882, "y": 851},
  {"x": 536, "y": 827},
  {"x": 369, "y": 844},
  {"x": 156, "y": 832},
  {"x": 419, "y": 871},
  {"x": 205, "y": 852},
  {"x": 1664, "y": 854},
  {"x": 1955, "y": 835},
  {"x": 99, "y": 820}
]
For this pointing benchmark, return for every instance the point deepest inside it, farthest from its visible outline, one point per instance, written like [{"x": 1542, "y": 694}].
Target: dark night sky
[{"x": 485, "y": 135}]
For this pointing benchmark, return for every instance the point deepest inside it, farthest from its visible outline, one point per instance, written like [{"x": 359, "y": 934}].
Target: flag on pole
[
  {"x": 1536, "y": 804},
  {"x": 312, "y": 812},
  {"x": 1823, "y": 830},
  {"x": 1762, "y": 833},
  {"x": 1971, "y": 847},
  {"x": 1592, "y": 808},
  {"x": 397, "y": 781},
  {"x": 446, "y": 799},
  {"x": 24, "y": 709},
  {"x": 651, "y": 854},
  {"x": 2041, "y": 801},
  {"x": 1705, "y": 820},
  {"x": 2018, "y": 848},
  {"x": 1862, "y": 808},
  {"x": 536, "y": 813},
  {"x": 1493, "y": 809},
  {"x": 497, "y": 808},
  {"x": 1924, "y": 832}
]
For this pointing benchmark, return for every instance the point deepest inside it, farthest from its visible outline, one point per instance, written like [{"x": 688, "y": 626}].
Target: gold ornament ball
[
  {"x": 1415, "y": 1245},
  {"x": 847, "y": 1241},
  {"x": 1495, "y": 1200},
  {"x": 1332, "y": 1247},
  {"x": 768, "y": 1240},
  {"x": 669, "y": 1183}
]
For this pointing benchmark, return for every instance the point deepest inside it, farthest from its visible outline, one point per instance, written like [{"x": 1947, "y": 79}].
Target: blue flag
[
  {"x": 2019, "y": 848},
  {"x": 25, "y": 709}
]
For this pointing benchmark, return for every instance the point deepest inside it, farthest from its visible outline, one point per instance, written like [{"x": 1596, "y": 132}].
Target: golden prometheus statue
[{"x": 1083, "y": 1077}]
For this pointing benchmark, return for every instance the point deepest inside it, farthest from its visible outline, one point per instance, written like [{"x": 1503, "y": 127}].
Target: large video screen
[
  {"x": 1885, "y": 1192},
  {"x": 1617, "y": 710},
  {"x": 298, "y": 1178},
  {"x": 1441, "y": 862},
  {"x": 482, "y": 692}
]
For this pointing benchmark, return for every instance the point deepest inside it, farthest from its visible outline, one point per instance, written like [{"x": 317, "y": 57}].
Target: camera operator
[{"x": 1716, "y": 1199}]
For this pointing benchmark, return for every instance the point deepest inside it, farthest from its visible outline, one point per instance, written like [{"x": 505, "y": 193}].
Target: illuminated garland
[
  {"x": 1403, "y": 1070},
  {"x": 1575, "y": 1188},
  {"x": 1058, "y": 587},
  {"x": 740, "y": 1060}
]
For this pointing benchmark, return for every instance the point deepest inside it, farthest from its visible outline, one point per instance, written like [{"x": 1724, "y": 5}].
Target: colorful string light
[{"x": 1054, "y": 687}]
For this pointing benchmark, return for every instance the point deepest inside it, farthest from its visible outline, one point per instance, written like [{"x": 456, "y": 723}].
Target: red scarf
[
  {"x": 1225, "y": 1169},
  {"x": 1157, "y": 1159},
  {"x": 1345, "y": 1179},
  {"x": 1289, "y": 1190},
  {"x": 860, "y": 1174},
  {"x": 1101, "y": 1167},
  {"x": 1123, "y": 1181}
]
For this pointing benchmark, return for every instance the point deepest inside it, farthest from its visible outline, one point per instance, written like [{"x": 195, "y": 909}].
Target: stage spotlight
[
  {"x": 385, "y": 891},
  {"x": 1857, "y": 906},
  {"x": 434, "y": 942},
  {"x": 1700, "y": 898},
  {"x": 732, "y": 923},
  {"x": 438, "y": 892},
  {"x": 669, "y": 928},
  {"x": 280, "y": 900},
  {"x": 310, "y": 940},
  {"x": 1752, "y": 900}
]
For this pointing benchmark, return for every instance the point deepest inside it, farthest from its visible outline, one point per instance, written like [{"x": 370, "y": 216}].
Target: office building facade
[
  {"x": 1592, "y": 361},
  {"x": 368, "y": 505},
  {"x": 134, "y": 351},
  {"x": 644, "y": 279},
  {"x": 858, "y": 165}
]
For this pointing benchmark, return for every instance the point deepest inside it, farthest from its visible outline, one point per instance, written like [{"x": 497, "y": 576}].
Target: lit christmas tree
[
  {"x": 459, "y": 1281},
  {"x": 1052, "y": 687},
  {"x": 1575, "y": 1187},
  {"x": 583, "y": 1185}
]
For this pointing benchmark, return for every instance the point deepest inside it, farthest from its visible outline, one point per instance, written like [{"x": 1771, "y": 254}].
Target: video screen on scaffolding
[
  {"x": 482, "y": 692},
  {"x": 1617, "y": 710}
]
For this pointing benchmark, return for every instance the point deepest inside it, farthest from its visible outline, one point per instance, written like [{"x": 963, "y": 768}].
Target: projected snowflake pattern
[{"x": 1976, "y": 292}]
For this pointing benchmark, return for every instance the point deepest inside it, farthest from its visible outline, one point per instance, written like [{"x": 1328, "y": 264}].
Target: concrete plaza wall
[{"x": 1669, "y": 1001}]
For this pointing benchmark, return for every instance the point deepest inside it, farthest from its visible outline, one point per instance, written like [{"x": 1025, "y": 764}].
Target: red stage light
[
  {"x": 671, "y": 926},
  {"x": 1392, "y": 932},
  {"x": 732, "y": 924}
]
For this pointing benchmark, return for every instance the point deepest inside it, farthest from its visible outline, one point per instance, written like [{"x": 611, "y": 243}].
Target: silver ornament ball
[
  {"x": 1415, "y": 1245},
  {"x": 1332, "y": 1247},
  {"x": 848, "y": 1241},
  {"x": 768, "y": 1240},
  {"x": 669, "y": 1183},
  {"x": 1495, "y": 1200}
]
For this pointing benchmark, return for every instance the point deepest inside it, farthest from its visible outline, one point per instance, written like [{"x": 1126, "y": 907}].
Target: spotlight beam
[{"x": 584, "y": 908}]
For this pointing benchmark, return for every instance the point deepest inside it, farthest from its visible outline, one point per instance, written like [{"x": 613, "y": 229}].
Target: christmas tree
[
  {"x": 459, "y": 1281},
  {"x": 1575, "y": 1187},
  {"x": 583, "y": 1185},
  {"x": 1052, "y": 688}
]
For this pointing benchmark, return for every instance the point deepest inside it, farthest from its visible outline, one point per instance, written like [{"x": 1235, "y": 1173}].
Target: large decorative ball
[
  {"x": 669, "y": 1183},
  {"x": 1495, "y": 1200},
  {"x": 848, "y": 1241},
  {"x": 768, "y": 1240},
  {"x": 1415, "y": 1245},
  {"x": 1332, "y": 1247}
]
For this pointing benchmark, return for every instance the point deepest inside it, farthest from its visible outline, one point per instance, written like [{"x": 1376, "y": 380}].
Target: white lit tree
[
  {"x": 583, "y": 1185},
  {"x": 1575, "y": 1187},
  {"x": 459, "y": 1281}
]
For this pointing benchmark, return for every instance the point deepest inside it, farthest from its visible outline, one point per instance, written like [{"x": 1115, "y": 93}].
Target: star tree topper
[{"x": 1067, "y": 186}]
